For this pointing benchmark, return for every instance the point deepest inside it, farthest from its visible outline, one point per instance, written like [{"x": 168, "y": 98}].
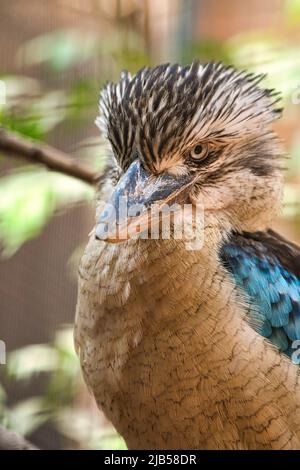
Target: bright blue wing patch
[{"x": 272, "y": 290}]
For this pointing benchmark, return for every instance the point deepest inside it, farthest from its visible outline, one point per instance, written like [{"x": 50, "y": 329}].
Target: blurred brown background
[{"x": 54, "y": 57}]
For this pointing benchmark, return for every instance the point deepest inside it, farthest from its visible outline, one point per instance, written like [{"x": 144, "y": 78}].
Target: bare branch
[
  {"x": 9, "y": 440},
  {"x": 52, "y": 158}
]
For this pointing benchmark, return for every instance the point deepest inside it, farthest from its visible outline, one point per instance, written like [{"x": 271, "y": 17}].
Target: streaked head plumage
[
  {"x": 169, "y": 108},
  {"x": 211, "y": 120}
]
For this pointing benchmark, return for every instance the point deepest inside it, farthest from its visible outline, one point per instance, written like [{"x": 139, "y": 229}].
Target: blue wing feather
[{"x": 266, "y": 268}]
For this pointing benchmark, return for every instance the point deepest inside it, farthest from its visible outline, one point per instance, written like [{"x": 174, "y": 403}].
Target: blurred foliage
[
  {"x": 35, "y": 112},
  {"x": 65, "y": 49},
  {"x": 259, "y": 52},
  {"x": 29, "y": 111},
  {"x": 207, "y": 49},
  {"x": 28, "y": 198},
  {"x": 60, "y": 405},
  {"x": 60, "y": 50},
  {"x": 269, "y": 54},
  {"x": 32, "y": 195},
  {"x": 292, "y": 12}
]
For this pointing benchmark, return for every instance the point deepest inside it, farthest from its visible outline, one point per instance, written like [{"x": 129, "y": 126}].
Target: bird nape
[{"x": 191, "y": 348}]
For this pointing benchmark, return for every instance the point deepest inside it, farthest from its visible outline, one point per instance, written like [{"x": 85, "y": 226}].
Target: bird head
[{"x": 199, "y": 135}]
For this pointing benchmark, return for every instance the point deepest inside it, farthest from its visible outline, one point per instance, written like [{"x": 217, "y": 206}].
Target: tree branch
[
  {"x": 52, "y": 158},
  {"x": 9, "y": 440}
]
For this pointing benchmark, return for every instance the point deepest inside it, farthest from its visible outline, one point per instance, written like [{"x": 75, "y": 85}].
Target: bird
[{"x": 191, "y": 347}]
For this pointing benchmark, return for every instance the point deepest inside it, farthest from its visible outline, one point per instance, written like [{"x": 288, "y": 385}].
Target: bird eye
[{"x": 199, "y": 151}]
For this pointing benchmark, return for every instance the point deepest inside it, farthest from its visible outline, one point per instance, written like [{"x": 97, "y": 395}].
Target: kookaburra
[{"x": 182, "y": 347}]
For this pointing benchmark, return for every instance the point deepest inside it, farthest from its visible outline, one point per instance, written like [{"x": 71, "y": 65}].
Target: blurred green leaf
[
  {"x": 83, "y": 94},
  {"x": 207, "y": 49},
  {"x": 93, "y": 150},
  {"x": 27, "y": 415},
  {"x": 29, "y": 111},
  {"x": 292, "y": 12},
  {"x": 29, "y": 198},
  {"x": 123, "y": 50},
  {"x": 267, "y": 53},
  {"x": 64, "y": 342},
  {"x": 19, "y": 87},
  {"x": 66, "y": 377},
  {"x": 73, "y": 262},
  {"x": 27, "y": 126},
  {"x": 60, "y": 49},
  {"x": 49, "y": 110},
  {"x": 291, "y": 206},
  {"x": 3, "y": 406},
  {"x": 294, "y": 161},
  {"x": 31, "y": 360},
  {"x": 78, "y": 423},
  {"x": 78, "y": 426},
  {"x": 26, "y": 203}
]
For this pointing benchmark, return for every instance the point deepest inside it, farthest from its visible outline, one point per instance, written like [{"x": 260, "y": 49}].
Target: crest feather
[{"x": 170, "y": 106}]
